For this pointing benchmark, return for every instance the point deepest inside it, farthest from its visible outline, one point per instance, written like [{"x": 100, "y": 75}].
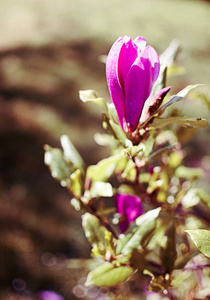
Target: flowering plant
[{"x": 156, "y": 210}]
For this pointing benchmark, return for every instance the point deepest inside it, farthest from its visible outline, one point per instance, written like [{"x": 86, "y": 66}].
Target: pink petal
[
  {"x": 150, "y": 59},
  {"x": 127, "y": 56},
  {"x": 135, "y": 86},
  {"x": 115, "y": 88},
  {"x": 139, "y": 83},
  {"x": 130, "y": 207}
]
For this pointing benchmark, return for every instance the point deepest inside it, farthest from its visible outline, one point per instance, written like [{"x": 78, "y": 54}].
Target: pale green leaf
[
  {"x": 146, "y": 223},
  {"x": 76, "y": 183},
  {"x": 159, "y": 153},
  {"x": 161, "y": 81},
  {"x": 166, "y": 60},
  {"x": 70, "y": 152},
  {"x": 203, "y": 196},
  {"x": 113, "y": 113},
  {"x": 105, "y": 140},
  {"x": 94, "y": 231},
  {"x": 188, "y": 173},
  {"x": 104, "y": 169},
  {"x": 169, "y": 55},
  {"x": 91, "y": 96},
  {"x": 132, "y": 151},
  {"x": 182, "y": 121},
  {"x": 130, "y": 171},
  {"x": 59, "y": 167},
  {"x": 179, "y": 96},
  {"x": 100, "y": 189},
  {"x": 120, "y": 134},
  {"x": 201, "y": 239},
  {"x": 106, "y": 275}
]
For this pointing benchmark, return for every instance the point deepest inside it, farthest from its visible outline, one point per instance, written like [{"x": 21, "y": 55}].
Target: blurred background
[{"x": 49, "y": 50}]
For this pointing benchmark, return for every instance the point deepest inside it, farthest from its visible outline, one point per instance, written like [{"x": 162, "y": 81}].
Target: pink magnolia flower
[
  {"x": 131, "y": 69},
  {"x": 129, "y": 207}
]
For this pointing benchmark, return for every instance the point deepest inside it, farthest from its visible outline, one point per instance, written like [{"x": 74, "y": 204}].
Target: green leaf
[
  {"x": 166, "y": 60},
  {"x": 146, "y": 223},
  {"x": 113, "y": 113},
  {"x": 106, "y": 275},
  {"x": 120, "y": 134},
  {"x": 203, "y": 196},
  {"x": 130, "y": 171},
  {"x": 76, "y": 183},
  {"x": 161, "y": 81},
  {"x": 159, "y": 153},
  {"x": 188, "y": 173},
  {"x": 104, "y": 169},
  {"x": 181, "y": 261},
  {"x": 201, "y": 239},
  {"x": 115, "y": 130},
  {"x": 169, "y": 55},
  {"x": 132, "y": 151},
  {"x": 100, "y": 189},
  {"x": 157, "y": 237},
  {"x": 91, "y": 96},
  {"x": 94, "y": 231},
  {"x": 105, "y": 140},
  {"x": 59, "y": 167},
  {"x": 175, "y": 159},
  {"x": 70, "y": 152},
  {"x": 121, "y": 165},
  {"x": 177, "y": 97},
  {"x": 182, "y": 121}
]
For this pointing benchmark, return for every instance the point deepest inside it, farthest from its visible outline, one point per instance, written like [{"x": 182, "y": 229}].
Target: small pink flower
[
  {"x": 129, "y": 207},
  {"x": 131, "y": 69}
]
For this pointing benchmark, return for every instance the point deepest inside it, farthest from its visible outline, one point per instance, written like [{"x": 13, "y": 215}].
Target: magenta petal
[
  {"x": 127, "y": 56},
  {"x": 134, "y": 93},
  {"x": 130, "y": 207},
  {"x": 131, "y": 69},
  {"x": 115, "y": 88},
  {"x": 150, "y": 60}
]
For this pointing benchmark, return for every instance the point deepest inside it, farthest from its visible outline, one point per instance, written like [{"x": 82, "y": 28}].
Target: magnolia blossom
[
  {"x": 131, "y": 69},
  {"x": 129, "y": 207}
]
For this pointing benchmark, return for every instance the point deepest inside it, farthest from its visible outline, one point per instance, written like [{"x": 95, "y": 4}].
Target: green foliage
[
  {"x": 181, "y": 121},
  {"x": 107, "y": 275},
  {"x": 91, "y": 96},
  {"x": 100, "y": 189},
  {"x": 201, "y": 238},
  {"x": 188, "y": 173},
  {"x": 104, "y": 169},
  {"x": 59, "y": 167},
  {"x": 146, "y": 223}
]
